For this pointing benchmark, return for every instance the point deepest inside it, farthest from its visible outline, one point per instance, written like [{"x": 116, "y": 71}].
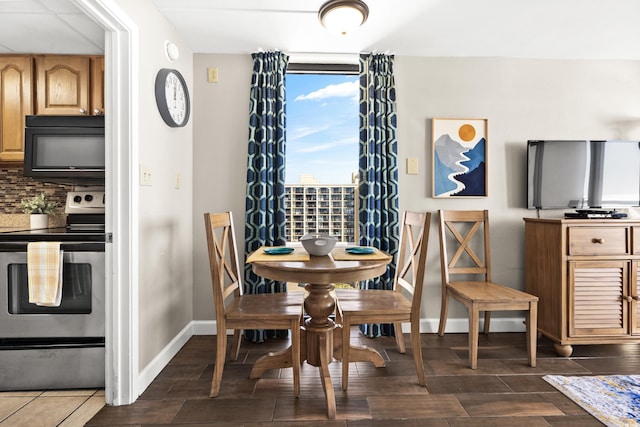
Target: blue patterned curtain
[
  {"x": 378, "y": 166},
  {"x": 265, "y": 210}
]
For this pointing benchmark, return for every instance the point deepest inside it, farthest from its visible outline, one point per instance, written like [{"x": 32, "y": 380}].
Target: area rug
[{"x": 612, "y": 399}]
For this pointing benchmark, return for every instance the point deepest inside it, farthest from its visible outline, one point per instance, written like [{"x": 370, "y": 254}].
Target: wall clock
[{"x": 172, "y": 97}]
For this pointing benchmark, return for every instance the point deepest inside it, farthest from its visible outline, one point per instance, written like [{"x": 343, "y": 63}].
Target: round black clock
[{"x": 172, "y": 97}]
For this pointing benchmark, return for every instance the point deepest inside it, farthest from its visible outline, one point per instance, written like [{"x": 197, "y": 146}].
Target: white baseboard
[
  {"x": 162, "y": 359},
  {"x": 208, "y": 327},
  {"x": 498, "y": 324},
  {"x": 204, "y": 327}
]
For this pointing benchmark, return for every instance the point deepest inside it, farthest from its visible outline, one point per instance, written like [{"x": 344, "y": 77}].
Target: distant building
[
  {"x": 317, "y": 208},
  {"x": 308, "y": 179}
]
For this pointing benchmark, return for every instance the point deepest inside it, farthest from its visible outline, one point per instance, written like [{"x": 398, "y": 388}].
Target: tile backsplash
[{"x": 16, "y": 187}]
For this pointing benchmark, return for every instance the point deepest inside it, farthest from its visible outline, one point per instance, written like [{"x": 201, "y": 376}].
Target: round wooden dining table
[{"x": 318, "y": 346}]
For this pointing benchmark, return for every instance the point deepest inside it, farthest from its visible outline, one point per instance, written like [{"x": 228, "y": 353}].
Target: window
[{"x": 322, "y": 152}]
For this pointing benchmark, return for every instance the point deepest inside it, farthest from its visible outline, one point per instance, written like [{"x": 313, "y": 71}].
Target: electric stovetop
[
  {"x": 16, "y": 239},
  {"x": 14, "y": 234}
]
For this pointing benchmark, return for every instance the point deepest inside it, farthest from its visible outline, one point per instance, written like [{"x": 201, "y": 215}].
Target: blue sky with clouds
[{"x": 322, "y": 127}]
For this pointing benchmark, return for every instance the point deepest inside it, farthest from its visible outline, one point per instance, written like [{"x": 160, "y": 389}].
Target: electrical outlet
[{"x": 145, "y": 175}]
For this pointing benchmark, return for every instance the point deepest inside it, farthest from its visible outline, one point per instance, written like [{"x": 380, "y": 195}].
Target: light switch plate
[
  {"x": 212, "y": 74},
  {"x": 412, "y": 166}
]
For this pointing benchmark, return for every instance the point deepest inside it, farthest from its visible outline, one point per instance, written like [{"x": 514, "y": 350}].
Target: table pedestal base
[{"x": 326, "y": 347}]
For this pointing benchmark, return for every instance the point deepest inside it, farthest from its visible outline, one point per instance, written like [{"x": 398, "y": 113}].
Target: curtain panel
[
  {"x": 265, "y": 209},
  {"x": 378, "y": 167}
]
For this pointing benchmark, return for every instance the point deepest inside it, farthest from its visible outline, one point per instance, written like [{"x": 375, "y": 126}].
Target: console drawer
[{"x": 599, "y": 241}]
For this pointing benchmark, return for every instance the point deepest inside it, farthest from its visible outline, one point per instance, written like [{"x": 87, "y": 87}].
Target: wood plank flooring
[{"x": 503, "y": 391}]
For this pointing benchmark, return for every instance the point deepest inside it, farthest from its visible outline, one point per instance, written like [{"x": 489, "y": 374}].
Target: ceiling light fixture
[{"x": 343, "y": 16}]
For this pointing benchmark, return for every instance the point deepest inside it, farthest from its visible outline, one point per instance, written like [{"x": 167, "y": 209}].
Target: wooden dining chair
[
  {"x": 397, "y": 306},
  {"x": 469, "y": 258},
  {"x": 238, "y": 311}
]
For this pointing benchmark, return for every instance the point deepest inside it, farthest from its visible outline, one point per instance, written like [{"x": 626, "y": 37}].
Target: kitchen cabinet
[
  {"x": 97, "y": 85},
  {"x": 62, "y": 85},
  {"x": 16, "y": 101},
  {"x": 585, "y": 273},
  {"x": 69, "y": 84},
  {"x": 45, "y": 85}
]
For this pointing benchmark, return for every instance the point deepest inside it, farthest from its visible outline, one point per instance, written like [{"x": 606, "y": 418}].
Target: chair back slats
[
  {"x": 223, "y": 261},
  {"x": 469, "y": 254},
  {"x": 405, "y": 285},
  {"x": 464, "y": 245},
  {"x": 410, "y": 267}
]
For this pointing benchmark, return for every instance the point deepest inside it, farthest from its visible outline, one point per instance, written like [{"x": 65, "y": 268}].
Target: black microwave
[{"x": 66, "y": 149}]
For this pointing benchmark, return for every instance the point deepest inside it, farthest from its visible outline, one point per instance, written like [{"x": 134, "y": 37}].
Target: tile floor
[
  {"x": 64, "y": 408},
  {"x": 503, "y": 391}
]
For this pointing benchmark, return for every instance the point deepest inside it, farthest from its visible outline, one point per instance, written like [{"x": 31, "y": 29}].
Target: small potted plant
[{"x": 39, "y": 207}]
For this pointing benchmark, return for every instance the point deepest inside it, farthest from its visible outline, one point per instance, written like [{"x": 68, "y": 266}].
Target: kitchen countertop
[{"x": 22, "y": 221}]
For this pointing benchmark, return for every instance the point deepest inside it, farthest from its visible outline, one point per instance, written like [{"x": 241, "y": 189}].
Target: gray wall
[
  {"x": 521, "y": 98},
  {"x": 221, "y": 129}
]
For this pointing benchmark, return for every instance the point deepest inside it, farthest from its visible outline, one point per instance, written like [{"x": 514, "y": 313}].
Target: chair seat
[
  {"x": 489, "y": 292},
  {"x": 372, "y": 301},
  {"x": 283, "y": 305}
]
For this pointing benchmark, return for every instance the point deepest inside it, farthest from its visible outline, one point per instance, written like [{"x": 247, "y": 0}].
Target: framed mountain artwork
[{"x": 459, "y": 157}]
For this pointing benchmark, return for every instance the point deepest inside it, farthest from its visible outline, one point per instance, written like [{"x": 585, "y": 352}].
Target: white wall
[
  {"x": 165, "y": 213},
  {"x": 522, "y": 99}
]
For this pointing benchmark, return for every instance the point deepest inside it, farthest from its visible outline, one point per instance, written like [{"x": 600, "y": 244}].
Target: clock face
[
  {"x": 172, "y": 97},
  {"x": 176, "y": 98}
]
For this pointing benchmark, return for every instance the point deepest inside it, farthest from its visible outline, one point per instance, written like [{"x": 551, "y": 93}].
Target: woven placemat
[
  {"x": 298, "y": 254},
  {"x": 340, "y": 254}
]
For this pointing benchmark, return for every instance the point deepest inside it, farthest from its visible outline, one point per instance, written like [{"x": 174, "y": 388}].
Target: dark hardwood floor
[{"x": 503, "y": 391}]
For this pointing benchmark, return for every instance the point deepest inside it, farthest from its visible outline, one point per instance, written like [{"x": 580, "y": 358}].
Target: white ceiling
[
  {"x": 47, "y": 26},
  {"x": 591, "y": 29}
]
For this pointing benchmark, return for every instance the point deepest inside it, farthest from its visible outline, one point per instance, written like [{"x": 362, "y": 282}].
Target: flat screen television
[{"x": 583, "y": 174}]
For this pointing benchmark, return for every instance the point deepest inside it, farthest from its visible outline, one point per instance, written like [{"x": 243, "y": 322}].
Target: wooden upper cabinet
[
  {"x": 16, "y": 101},
  {"x": 63, "y": 85},
  {"x": 97, "y": 86},
  {"x": 45, "y": 85}
]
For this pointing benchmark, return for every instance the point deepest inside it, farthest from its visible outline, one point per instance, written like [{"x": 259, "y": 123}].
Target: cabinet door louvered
[
  {"x": 635, "y": 294},
  {"x": 597, "y": 304}
]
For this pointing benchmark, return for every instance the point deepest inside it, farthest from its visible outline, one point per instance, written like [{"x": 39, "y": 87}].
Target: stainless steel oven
[{"x": 53, "y": 347}]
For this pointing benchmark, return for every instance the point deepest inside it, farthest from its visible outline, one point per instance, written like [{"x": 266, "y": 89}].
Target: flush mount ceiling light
[{"x": 343, "y": 16}]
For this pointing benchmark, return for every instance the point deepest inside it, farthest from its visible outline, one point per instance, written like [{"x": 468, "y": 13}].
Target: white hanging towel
[{"x": 44, "y": 268}]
